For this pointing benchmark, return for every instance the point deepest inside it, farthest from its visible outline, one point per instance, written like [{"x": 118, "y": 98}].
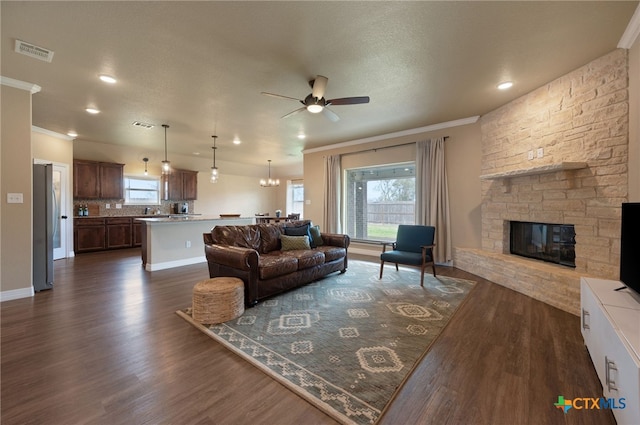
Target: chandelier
[
  {"x": 214, "y": 170},
  {"x": 269, "y": 182}
]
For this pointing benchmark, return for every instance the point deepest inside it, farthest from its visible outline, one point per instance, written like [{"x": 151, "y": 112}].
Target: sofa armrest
[
  {"x": 208, "y": 239},
  {"x": 232, "y": 256},
  {"x": 335, "y": 239}
]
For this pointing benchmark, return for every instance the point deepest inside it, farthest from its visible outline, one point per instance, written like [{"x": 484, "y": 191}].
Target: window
[
  {"x": 141, "y": 190},
  {"x": 295, "y": 197},
  {"x": 378, "y": 199}
]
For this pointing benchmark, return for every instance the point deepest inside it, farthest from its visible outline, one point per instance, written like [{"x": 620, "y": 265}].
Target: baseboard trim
[
  {"x": 176, "y": 263},
  {"x": 15, "y": 294}
]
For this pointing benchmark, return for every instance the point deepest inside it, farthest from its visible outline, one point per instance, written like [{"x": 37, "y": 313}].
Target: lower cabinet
[
  {"x": 610, "y": 325},
  {"x": 88, "y": 235},
  {"x": 99, "y": 234}
]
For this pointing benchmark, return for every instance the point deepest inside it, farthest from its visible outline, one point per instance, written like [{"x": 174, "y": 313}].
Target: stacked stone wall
[{"x": 579, "y": 117}]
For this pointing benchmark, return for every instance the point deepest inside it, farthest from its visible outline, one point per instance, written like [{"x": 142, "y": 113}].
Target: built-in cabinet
[
  {"x": 97, "y": 180},
  {"x": 610, "y": 325},
  {"x": 181, "y": 185},
  {"x": 99, "y": 234}
]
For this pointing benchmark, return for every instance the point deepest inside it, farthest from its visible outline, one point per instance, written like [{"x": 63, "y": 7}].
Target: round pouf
[{"x": 218, "y": 300}]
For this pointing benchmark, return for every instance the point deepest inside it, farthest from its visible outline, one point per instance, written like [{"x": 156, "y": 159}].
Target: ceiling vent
[
  {"x": 142, "y": 125},
  {"x": 34, "y": 51}
]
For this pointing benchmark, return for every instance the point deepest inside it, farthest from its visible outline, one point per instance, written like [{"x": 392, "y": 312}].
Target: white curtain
[
  {"x": 432, "y": 195},
  {"x": 332, "y": 171}
]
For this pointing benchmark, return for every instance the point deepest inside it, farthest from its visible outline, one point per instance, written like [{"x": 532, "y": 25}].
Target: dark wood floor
[{"x": 105, "y": 347}]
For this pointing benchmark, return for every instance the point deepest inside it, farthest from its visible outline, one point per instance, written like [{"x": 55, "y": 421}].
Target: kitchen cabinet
[
  {"x": 181, "y": 185},
  {"x": 137, "y": 233},
  {"x": 97, "y": 180},
  {"x": 610, "y": 325},
  {"x": 88, "y": 235},
  {"x": 118, "y": 232}
]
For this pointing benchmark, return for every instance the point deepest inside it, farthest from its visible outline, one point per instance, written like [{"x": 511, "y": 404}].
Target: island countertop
[{"x": 177, "y": 218}]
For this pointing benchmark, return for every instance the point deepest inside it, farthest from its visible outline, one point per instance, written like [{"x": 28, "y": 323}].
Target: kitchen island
[{"x": 176, "y": 240}]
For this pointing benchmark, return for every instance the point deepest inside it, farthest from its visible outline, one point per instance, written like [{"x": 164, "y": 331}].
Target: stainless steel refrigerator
[{"x": 43, "y": 207}]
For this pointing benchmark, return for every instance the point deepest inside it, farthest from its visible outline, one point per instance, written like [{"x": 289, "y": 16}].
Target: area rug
[{"x": 348, "y": 342}]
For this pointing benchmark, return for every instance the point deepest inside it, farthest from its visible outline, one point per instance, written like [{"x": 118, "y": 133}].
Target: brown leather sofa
[{"x": 254, "y": 254}]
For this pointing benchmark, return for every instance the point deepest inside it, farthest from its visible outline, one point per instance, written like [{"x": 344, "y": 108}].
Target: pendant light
[
  {"x": 214, "y": 169},
  {"x": 269, "y": 182},
  {"x": 146, "y": 160},
  {"x": 166, "y": 165}
]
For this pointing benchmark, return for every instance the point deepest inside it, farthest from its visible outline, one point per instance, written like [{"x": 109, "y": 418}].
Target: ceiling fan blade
[
  {"x": 294, "y": 112},
  {"x": 319, "y": 86},
  {"x": 332, "y": 116},
  {"x": 280, "y": 96},
  {"x": 348, "y": 100}
]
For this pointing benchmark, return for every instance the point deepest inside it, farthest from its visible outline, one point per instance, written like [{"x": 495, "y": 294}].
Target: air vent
[
  {"x": 34, "y": 51},
  {"x": 142, "y": 125}
]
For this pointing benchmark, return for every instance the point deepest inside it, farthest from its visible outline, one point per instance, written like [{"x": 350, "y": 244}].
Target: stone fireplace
[{"x": 556, "y": 155}]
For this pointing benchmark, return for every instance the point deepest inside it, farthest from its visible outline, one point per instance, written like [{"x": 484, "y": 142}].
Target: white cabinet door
[{"x": 592, "y": 327}]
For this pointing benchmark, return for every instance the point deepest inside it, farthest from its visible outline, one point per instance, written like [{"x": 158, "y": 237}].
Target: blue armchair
[{"x": 413, "y": 246}]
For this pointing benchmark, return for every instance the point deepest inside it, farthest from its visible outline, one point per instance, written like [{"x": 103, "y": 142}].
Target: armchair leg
[
  {"x": 422, "y": 275},
  {"x": 396, "y": 266},
  {"x": 434, "y": 269},
  {"x": 381, "y": 268}
]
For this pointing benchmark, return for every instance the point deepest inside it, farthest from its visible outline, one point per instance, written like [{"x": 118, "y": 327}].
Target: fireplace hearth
[{"x": 554, "y": 243}]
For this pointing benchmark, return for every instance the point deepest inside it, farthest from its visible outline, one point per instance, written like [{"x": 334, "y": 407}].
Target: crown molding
[
  {"x": 632, "y": 32},
  {"x": 51, "y": 133},
  {"x": 17, "y": 84},
  {"x": 420, "y": 130}
]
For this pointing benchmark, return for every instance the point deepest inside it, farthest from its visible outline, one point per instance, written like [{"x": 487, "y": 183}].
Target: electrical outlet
[
  {"x": 187, "y": 244},
  {"x": 15, "y": 198},
  {"x": 107, "y": 206},
  {"x": 118, "y": 206},
  {"x": 530, "y": 155},
  {"x": 540, "y": 152}
]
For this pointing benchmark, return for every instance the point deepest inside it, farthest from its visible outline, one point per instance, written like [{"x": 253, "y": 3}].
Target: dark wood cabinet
[
  {"x": 111, "y": 181},
  {"x": 137, "y": 233},
  {"x": 93, "y": 180},
  {"x": 89, "y": 235},
  {"x": 118, "y": 232},
  {"x": 181, "y": 185}
]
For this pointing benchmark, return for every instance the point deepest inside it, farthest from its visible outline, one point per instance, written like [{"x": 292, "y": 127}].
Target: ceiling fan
[{"x": 315, "y": 101}]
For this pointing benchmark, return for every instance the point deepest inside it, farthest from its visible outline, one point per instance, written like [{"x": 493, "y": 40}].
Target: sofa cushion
[
  {"x": 274, "y": 265},
  {"x": 270, "y": 237},
  {"x": 241, "y": 236},
  {"x": 299, "y": 231},
  {"x": 332, "y": 252},
  {"x": 306, "y": 258},
  {"x": 290, "y": 243},
  {"x": 316, "y": 237}
]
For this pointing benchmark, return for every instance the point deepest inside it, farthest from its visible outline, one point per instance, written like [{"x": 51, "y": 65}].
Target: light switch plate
[
  {"x": 14, "y": 198},
  {"x": 118, "y": 206},
  {"x": 107, "y": 206},
  {"x": 530, "y": 155},
  {"x": 540, "y": 152}
]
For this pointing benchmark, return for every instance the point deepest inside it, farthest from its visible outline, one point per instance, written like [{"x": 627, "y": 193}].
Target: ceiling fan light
[{"x": 315, "y": 108}]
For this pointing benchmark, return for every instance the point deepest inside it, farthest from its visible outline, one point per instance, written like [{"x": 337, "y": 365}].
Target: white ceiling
[{"x": 201, "y": 66}]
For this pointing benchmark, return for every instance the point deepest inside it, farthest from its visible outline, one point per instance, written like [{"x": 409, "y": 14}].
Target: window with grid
[{"x": 142, "y": 190}]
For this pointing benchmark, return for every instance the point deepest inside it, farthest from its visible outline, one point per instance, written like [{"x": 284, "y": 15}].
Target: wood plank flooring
[{"x": 105, "y": 347}]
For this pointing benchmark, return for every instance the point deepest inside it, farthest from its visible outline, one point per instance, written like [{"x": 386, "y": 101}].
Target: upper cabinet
[
  {"x": 182, "y": 186},
  {"x": 97, "y": 180}
]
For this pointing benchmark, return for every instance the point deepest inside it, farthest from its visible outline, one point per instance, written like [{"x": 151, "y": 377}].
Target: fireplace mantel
[{"x": 542, "y": 169}]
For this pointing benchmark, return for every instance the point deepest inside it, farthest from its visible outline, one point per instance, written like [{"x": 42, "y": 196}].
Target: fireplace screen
[{"x": 547, "y": 242}]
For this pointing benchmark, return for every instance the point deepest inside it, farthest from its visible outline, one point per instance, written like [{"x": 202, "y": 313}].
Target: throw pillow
[
  {"x": 316, "y": 238},
  {"x": 300, "y": 231},
  {"x": 289, "y": 243}
]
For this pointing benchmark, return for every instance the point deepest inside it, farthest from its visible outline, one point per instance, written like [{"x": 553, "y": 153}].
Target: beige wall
[
  {"x": 463, "y": 152},
  {"x": 16, "y": 176}
]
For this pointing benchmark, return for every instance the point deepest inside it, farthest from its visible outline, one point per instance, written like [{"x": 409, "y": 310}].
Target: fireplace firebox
[{"x": 554, "y": 243}]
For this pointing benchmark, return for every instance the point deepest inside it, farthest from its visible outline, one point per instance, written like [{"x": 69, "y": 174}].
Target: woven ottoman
[{"x": 218, "y": 300}]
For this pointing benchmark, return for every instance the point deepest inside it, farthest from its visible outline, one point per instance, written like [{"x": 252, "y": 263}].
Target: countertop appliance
[
  {"x": 43, "y": 207},
  {"x": 181, "y": 208}
]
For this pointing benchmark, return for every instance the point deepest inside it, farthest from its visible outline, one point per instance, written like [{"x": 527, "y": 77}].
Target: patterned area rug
[{"x": 348, "y": 342}]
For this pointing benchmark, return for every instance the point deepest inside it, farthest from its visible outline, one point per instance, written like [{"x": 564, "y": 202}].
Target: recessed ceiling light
[
  {"x": 301, "y": 136},
  {"x": 196, "y": 153},
  {"x": 505, "y": 85},
  {"x": 92, "y": 110},
  {"x": 236, "y": 141},
  {"x": 107, "y": 79},
  {"x": 72, "y": 134}
]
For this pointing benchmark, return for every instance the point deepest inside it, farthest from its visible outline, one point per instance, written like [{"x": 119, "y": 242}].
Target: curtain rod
[{"x": 384, "y": 147}]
